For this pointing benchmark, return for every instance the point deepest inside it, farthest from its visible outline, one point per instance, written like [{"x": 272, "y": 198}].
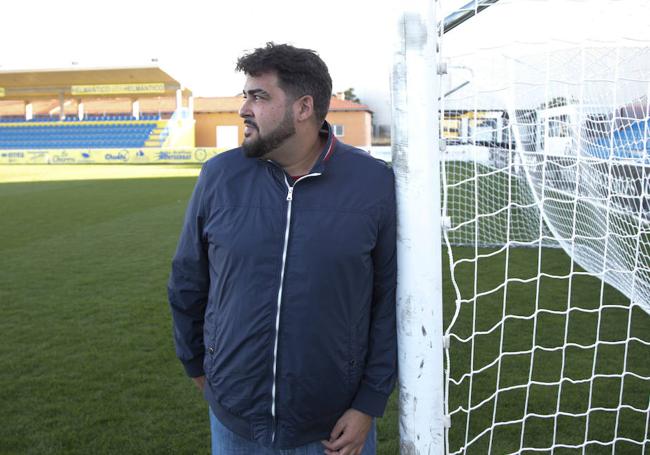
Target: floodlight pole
[{"x": 416, "y": 162}]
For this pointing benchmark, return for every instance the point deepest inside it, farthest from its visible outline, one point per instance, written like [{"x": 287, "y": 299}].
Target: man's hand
[
  {"x": 349, "y": 434},
  {"x": 200, "y": 382}
]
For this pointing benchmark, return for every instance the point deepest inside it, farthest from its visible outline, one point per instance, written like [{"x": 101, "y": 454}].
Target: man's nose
[{"x": 244, "y": 109}]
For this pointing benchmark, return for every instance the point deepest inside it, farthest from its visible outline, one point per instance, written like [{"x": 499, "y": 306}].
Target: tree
[{"x": 351, "y": 96}]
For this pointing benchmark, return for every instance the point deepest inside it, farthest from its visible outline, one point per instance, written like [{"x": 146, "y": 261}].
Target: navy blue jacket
[{"x": 283, "y": 294}]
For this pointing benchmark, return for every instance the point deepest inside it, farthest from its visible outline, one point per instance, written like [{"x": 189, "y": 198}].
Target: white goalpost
[
  {"x": 537, "y": 122},
  {"x": 419, "y": 286}
]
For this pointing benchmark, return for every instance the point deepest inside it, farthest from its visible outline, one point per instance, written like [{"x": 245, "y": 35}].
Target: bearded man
[{"x": 282, "y": 288}]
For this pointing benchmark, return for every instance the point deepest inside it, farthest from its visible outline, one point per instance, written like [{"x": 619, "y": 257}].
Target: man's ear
[{"x": 304, "y": 108}]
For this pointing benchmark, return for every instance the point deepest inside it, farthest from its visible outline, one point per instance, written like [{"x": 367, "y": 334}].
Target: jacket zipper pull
[{"x": 290, "y": 194}]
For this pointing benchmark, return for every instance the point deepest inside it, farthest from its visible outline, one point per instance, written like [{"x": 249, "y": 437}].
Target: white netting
[
  {"x": 548, "y": 144},
  {"x": 585, "y": 157}
]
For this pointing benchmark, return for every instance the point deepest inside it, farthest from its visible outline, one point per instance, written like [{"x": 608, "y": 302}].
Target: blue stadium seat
[{"x": 71, "y": 134}]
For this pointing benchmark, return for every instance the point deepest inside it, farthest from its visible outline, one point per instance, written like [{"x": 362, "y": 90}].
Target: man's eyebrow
[{"x": 254, "y": 91}]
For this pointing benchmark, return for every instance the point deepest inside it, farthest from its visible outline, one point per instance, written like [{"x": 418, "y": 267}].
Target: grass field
[
  {"x": 560, "y": 341},
  {"x": 87, "y": 362},
  {"x": 48, "y": 173},
  {"x": 586, "y": 353}
]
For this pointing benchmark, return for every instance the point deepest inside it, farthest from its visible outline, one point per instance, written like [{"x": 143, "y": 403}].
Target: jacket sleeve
[
  {"x": 380, "y": 371},
  {"x": 188, "y": 285}
]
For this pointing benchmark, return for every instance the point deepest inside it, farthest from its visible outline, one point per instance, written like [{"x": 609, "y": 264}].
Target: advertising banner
[
  {"x": 118, "y": 89},
  {"x": 108, "y": 156}
]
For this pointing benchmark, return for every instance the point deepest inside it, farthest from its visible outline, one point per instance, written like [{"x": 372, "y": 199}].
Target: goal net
[{"x": 546, "y": 209}]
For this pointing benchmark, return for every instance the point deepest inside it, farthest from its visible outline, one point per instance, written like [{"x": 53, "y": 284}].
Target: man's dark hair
[{"x": 300, "y": 72}]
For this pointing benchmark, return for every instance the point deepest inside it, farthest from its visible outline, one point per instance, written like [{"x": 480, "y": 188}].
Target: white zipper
[{"x": 279, "y": 304}]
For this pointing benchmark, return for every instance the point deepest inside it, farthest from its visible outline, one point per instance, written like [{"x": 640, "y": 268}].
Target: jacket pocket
[
  {"x": 353, "y": 363},
  {"x": 240, "y": 395},
  {"x": 212, "y": 344}
]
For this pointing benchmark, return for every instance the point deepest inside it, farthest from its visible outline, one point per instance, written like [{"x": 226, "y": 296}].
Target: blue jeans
[{"x": 225, "y": 442}]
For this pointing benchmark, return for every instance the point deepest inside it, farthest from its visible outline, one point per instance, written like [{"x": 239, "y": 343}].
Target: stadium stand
[
  {"x": 100, "y": 132},
  {"x": 96, "y": 108}
]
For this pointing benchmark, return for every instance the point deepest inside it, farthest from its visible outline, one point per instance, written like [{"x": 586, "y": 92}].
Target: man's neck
[{"x": 298, "y": 155}]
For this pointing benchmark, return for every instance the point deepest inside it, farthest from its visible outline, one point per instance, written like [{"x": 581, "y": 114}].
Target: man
[{"x": 282, "y": 288}]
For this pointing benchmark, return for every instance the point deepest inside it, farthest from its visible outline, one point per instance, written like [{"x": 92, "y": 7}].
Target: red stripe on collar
[{"x": 329, "y": 151}]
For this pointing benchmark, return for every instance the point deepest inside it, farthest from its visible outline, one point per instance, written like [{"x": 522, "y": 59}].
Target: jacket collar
[
  {"x": 328, "y": 148},
  {"x": 325, "y": 154}
]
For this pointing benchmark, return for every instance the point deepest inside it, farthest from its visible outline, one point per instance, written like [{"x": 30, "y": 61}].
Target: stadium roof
[{"x": 96, "y": 82}]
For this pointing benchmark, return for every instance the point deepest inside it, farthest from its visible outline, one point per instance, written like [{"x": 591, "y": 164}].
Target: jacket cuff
[
  {"x": 194, "y": 367},
  {"x": 369, "y": 401}
]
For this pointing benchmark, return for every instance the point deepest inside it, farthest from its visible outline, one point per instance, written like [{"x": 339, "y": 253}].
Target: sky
[{"x": 198, "y": 41}]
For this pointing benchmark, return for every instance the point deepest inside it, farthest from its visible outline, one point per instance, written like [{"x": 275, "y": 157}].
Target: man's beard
[{"x": 259, "y": 147}]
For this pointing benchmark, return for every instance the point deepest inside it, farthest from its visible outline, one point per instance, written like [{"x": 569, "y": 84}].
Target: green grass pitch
[{"x": 87, "y": 362}]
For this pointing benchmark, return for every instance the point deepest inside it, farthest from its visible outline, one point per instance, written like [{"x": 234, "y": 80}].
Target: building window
[{"x": 338, "y": 130}]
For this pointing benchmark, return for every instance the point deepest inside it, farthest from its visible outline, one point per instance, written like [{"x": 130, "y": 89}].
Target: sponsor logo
[
  {"x": 174, "y": 156},
  {"x": 140, "y": 157},
  {"x": 37, "y": 156},
  {"x": 200, "y": 154},
  {"x": 87, "y": 157},
  {"x": 122, "y": 155},
  {"x": 62, "y": 158},
  {"x": 118, "y": 89},
  {"x": 12, "y": 155}
]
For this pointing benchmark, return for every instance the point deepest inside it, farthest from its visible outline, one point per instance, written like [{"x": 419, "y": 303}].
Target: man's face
[{"x": 267, "y": 113}]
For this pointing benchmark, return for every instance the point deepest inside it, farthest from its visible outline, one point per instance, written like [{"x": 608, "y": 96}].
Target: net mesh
[{"x": 546, "y": 120}]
